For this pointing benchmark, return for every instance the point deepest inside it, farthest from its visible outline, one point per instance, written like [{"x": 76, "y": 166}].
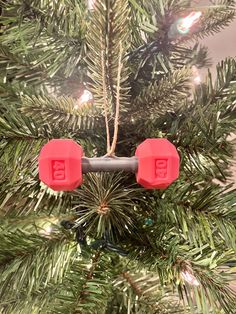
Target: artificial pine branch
[
  {"x": 159, "y": 97},
  {"x": 214, "y": 288},
  {"x": 134, "y": 286},
  {"x": 201, "y": 213},
  {"x": 20, "y": 261},
  {"x": 101, "y": 203},
  {"x": 200, "y": 127},
  {"x": 15, "y": 63},
  {"x": 123, "y": 51},
  {"x": 92, "y": 285},
  {"x": 89, "y": 276},
  {"x": 218, "y": 16},
  {"x": 112, "y": 32},
  {"x": 152, "y": 298},
  {"x": 196, "y": 55},
  {"x": 37, "y": 62},
  {"x": 61, "y": 112}
]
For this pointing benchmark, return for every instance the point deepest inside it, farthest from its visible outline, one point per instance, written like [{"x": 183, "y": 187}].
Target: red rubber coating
[
  {"x": 60, "y": 165},
  {"x": 158, "y": 163}
]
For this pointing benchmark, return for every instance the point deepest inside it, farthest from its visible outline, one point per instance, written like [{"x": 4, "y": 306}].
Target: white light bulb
[
  {"x": 197, "y": 80},
  {"x": 196, "y": 75},
  {"x": 187, "y": 22},
  {"x": 190, "y": 278},
  {"x": 86, "y": 97},
  {"x": 46, "y": 231},
  {"x": 48, "y": 227},
  {"x": 91, "y": 4},
  {"x": 88, "y": 266}
]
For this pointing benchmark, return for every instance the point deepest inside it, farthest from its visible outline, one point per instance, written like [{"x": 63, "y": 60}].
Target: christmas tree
[{"x": 110, "y": 74}]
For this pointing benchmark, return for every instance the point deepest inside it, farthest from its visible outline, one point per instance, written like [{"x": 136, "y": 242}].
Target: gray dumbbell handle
[{"x": 107, "y": 164}]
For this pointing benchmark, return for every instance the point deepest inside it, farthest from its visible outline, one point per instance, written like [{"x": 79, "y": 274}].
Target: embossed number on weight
[
  {"x": 161, "y": 168},
  {"x": 58, "y": 170}
]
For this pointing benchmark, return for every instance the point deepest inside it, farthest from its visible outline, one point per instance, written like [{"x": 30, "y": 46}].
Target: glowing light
[
  {"x": 86, "y": 97},
  {"x": 196, "y": 76},
  {"x": 184, "y": 24},
  {"x": 190, "y": 278},
  {"x": 88, "y": 266},
  {"x": 48, "y": 227},
  {"x": 91, "y": 4},
  {"x": 197, "y": 80},
  {"x": 46, "y": 231}
]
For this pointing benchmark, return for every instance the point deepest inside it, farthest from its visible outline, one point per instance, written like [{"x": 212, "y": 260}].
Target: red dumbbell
[
  {"x": 61, "y": 164},
  {"x": 158, "y": 163}
]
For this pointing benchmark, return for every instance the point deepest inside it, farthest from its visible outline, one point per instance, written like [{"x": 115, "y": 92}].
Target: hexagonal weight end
[
  {"x": 60, "y": 165},
  {"x": 158, "y": 163}
]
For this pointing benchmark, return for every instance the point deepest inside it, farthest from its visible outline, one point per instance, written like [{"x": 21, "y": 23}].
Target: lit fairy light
[
  {"x": 88, "y": 266},
  {"x": 91, "y": 4},
  {"x": 190, "y": 278},
  {"x": 184, "y": 24},
  {"x": 47, "y": 228},
  {"x": 197, "y": 80},
  {"x": 196, "y": 75},
  {"x": 86, "y": 97},
  {"x": 46, "y": 231}
]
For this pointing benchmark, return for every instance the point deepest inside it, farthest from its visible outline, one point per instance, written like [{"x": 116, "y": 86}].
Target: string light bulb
[
  {"x": 196, "y": 76},
  {"x": 190, "y": 278},
  {"x": 46, "y": 231},
  {"x": 197, "y": 80},
  {"x": 184, "y": 24},
  {"x": 91, "y": 4},
  {"x": 85, "y": 98},
  {"x": 48, "y": 227}
]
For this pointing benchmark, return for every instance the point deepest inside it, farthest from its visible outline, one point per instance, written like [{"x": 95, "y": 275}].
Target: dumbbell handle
[{"x": 107, "y": 164}]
